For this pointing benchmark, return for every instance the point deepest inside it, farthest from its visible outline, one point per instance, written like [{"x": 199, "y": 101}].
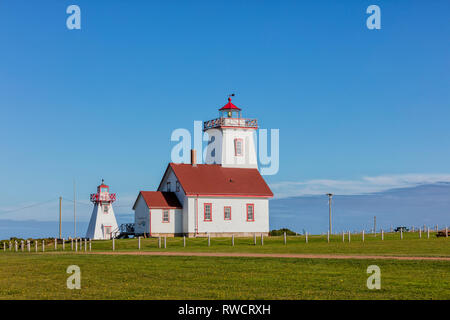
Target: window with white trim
[
  {"x": 207, "y": 213},
  {"x": 227, "y": 213},
  {"x": 105, "y": 208},
  {"x": 250, "y": 212},
  {"x": 238, "y": 147},
  {"x": 165, "y": 216}
]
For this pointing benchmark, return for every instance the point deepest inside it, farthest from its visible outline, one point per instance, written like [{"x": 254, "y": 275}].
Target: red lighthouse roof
[{"x": 229, "y": 106}]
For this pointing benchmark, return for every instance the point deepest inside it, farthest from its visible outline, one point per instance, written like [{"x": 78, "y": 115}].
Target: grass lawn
[
  {"x": 411, "y": 245},
  {"x": 43, "y": 276}
]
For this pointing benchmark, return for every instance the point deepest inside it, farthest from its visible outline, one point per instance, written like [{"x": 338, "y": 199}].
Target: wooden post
[
  {"x": 21, "y": 245},
  {"x": 10, "y": 246},
  {"x": 139, "y": 243},
  {"x": 184, "y": 241},
  {"x": 209, "y": 240},
  {"x": 306, "y": 238},
  {"x": 85, "y": 244},
  {"x": 63, "y": 244},
  {"x": 36, "y": 245},
  {"x": 43, "y": 245},
  {"x": 165, "y": 242},
  {"x": 363, "y": 236},
  {"x": 446, "y": 232},
  {"x": 60, "y": 200},
  {"x": 254, "y": 238},
  {"x": 285, "y": 238},
  {"x": 28, "y": 245},
  {"x": 90, "y": 244},
  {"x": 76, "y": 244},
  {"x": 343, "y": 236},
  {"x": 159, "y": 242},
  {"x": 71, "y": 244},
  {"x": 262, "y": 239},
  {"x": 114, "y": 244},
  {"x": 15, "y": 245},
  {"x": 382, "y": 234},
  {"x": 328, "y": 236},
  {"x": 56, "y": 244},
  {"x": 401, "y": 233},
  {"x": 428, "y": 233},
  {"x": 232, "y": 240},
  {"x": 349, "y": 236},
  {"x": 4, "y": 246}
]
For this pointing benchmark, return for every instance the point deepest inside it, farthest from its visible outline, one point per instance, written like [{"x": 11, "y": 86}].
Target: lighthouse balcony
[
  {"x": 108, "y": 197},
  {"x": 230, "y": 122}
]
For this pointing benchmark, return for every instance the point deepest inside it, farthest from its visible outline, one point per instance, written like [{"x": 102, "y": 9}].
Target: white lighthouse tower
[
  {"x": 103, "y": 221},
  {"x": 231, "y": 139}
]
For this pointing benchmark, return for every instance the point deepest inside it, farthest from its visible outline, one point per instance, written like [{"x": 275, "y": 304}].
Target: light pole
[{"x": 330, "y": 195}]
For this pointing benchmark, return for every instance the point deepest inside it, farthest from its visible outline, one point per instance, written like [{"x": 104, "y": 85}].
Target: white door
[{"x": 107, "y": 232}]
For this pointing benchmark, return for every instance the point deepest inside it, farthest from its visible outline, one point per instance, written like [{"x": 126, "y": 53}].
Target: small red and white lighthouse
[{"x": 103, "y": 221}]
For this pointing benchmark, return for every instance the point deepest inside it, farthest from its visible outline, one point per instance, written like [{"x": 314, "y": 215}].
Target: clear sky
[{"x": 351, "y": 104}]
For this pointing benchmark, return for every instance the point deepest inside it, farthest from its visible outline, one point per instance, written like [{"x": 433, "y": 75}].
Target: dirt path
[{"x": 268, "y": 255}]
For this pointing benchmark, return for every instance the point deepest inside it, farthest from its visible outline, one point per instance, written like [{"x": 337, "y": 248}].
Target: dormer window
[{"x": 238, "y": 147}]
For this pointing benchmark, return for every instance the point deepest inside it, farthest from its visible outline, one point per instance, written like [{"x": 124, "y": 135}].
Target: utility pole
[
  {"x": 375, "y": 225},
  {"x": 74, "y": 211},
  {"x": 60, "y": 200},
  {"x": 330, "y": 195}
]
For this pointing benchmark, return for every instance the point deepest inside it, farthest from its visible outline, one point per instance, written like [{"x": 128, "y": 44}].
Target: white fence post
[
  {"x": 90, "y": 244},
  {"x": 254, "y": 239},
  {"x": 76, "y": 244},
  {"x": 209, "y": 240},
  {"x": 43, "y": 245},
  {"x": 165, "y": 242},
  {"x": 21, "y": 245},
  {"x": 139, "y": 242},
  {"x": 343, "y": 236},
  {"x": 328, "y": 236},
  {"x": 262, "y": 239},
  {"x": 63, "y": 244},
  {"x": 420, "y": 233},
  {"x": 428, "y": 233},
  {"x": 71, "y": 244},
  {"x": 15, "y": 245},
  {"x": 232, "y": 240},
  {"x": 363, "y": 235},
  {"x": 159, "y": 242},
  {"x": 401, "y": 233},
  {"x": 446, "y": 232},
  {"x": 306, "y": 237},
  {"x": 36, "y": 245},
  {"x": 382, "y": 234},
  {"x": 4, "y": 246},
  {"x": 85, "y": 244},
  {"x": 285, "y": 238},
  {"x": 56, "y": 244},
  {"x": 349, "y": 236},
  {"x": 184, "y": 241},
  {"x": 114, "y": 244},
  {"x": 28, "y": 245}
]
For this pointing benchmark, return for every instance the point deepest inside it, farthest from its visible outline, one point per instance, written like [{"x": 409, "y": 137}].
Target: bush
[{"x": 281, "y": 232}]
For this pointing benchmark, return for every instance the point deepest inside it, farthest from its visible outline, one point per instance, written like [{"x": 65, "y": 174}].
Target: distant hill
[{"x": 425, "y": 204}]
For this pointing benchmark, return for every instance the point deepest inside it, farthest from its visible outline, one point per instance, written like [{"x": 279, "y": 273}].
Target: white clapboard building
[
  {"x": 226, "y": 196},
  {"x": 103, "y": 221}
]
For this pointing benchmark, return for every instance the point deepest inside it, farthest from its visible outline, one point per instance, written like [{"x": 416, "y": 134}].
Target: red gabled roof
[
  {"x": 215, "y": 180},
  {"x": 229, "y": 106},
  {"x": 159, "y": 199}
]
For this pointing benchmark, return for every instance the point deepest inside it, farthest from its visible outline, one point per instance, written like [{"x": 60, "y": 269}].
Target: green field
[{"x": 43, "y": 275}]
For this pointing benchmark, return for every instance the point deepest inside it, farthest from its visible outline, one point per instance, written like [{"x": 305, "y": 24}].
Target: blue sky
[{"x": 101, "y": 102}]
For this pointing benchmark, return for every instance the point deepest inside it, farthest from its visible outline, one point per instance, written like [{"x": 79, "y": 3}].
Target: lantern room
[
  {"x": 230, "y": 110},
  {"x": 103, "y": 194}
]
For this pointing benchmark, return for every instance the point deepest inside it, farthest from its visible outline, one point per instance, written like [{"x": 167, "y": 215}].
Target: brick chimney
[{"x": 193, "y": 157}]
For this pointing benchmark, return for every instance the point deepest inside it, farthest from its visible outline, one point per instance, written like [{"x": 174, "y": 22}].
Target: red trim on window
[
  {"x": 253, "y": 211},
  {"x": 227, "y": 195},
  {"x": 204, "y": 212},
  {"x": 162, "y": 216},
  {"x": 224, "y": 217},
  {"x": 235, "y": 147}
]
